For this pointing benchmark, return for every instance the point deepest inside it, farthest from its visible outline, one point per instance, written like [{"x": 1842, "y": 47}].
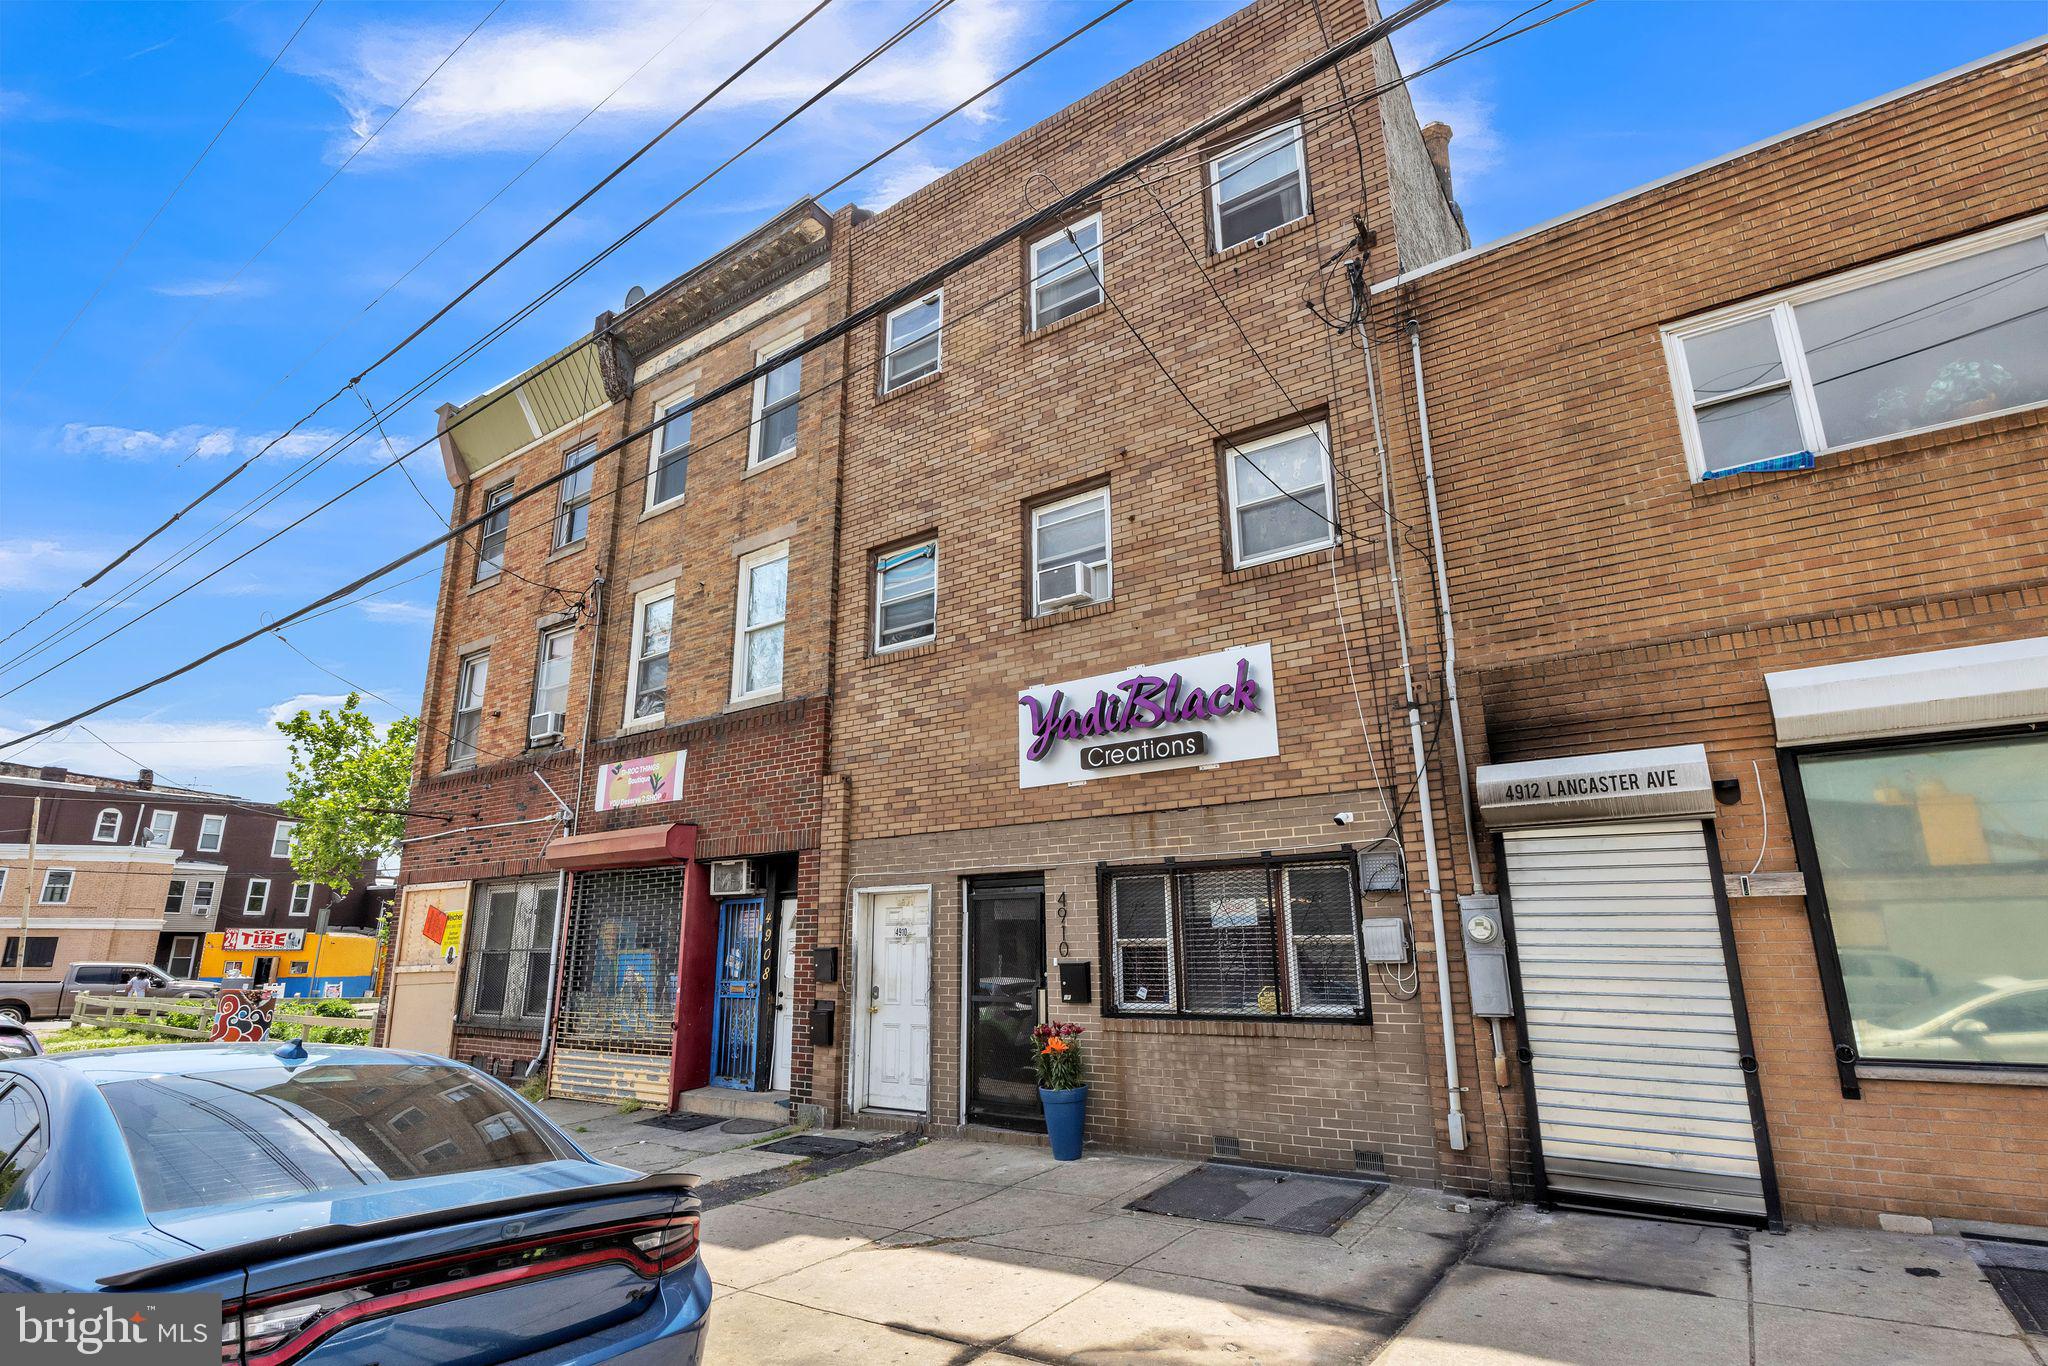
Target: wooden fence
[{"x": 152, "y": 1014}]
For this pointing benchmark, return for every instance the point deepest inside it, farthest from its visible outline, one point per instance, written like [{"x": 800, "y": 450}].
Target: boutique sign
[{"x": 1210, "y": 709}]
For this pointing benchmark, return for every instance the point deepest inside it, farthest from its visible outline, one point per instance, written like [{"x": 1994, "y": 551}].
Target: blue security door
[{"x": 736, "y": 1014}]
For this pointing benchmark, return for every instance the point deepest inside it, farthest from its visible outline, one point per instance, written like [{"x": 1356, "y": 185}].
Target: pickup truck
[{"x": 50, "y": 999}]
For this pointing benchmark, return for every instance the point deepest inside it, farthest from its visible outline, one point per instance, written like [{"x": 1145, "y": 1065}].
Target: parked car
[
  {"x": 349, "y": 1205},
  {"x": 1997, "y": 1019},
  {"x": 51, "y": 998}
]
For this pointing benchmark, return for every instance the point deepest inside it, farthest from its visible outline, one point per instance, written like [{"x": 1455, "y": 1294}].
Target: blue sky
[{"x": 193, "y": 354}]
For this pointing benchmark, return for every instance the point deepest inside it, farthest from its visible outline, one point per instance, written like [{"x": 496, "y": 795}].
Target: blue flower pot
[{"x": 1065, "y": 1112}]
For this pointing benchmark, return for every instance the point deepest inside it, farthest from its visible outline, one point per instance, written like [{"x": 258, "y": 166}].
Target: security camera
[{"x": 1344, "y": 817}]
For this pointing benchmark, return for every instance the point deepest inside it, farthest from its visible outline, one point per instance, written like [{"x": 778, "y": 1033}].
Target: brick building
[{"x": 1742, "y": 483}]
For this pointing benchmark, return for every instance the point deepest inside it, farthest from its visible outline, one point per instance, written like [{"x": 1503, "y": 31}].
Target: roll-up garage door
[{"x": 1635, "y": 1058}]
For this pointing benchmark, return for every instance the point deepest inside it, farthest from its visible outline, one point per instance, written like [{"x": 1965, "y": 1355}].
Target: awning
[
  {"x": 634, "y": 848},
  {"x": 1967, "y": 688},
  {"x": 1622, "y": 784}
]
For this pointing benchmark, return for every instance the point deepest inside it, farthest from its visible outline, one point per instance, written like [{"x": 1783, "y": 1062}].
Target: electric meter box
[
  {"x": 1486, "y": 956},
  {"x": 1384, "y": 938}
]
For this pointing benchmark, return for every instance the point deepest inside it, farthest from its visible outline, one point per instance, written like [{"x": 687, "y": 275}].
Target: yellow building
[{"x": 336, "y": 963}]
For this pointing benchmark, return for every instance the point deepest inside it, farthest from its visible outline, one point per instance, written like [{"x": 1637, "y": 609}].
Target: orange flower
[{"x": 1055, "y": 1045}]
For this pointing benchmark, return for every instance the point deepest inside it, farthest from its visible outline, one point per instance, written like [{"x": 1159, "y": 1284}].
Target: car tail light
[{"x": 670, "y": 1246}]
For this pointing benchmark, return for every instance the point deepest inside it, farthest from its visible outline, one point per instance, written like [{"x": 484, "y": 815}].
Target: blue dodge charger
[{"x": 347, "y": 1205}]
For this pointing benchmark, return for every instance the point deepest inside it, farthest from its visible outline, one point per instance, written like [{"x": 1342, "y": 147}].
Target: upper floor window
[
  {"x": 572, "y": 515},
  {"x": 57, "y": 887},
  {"x": 162, "y": 826},
  {"x": 493, "y": 531},
  {"x": 775, "y": 408},
  {"x": 1280, "y": 495},
  {"x": 106, "y": 828},
  {"x": 1938, "y": 336},
  {"x": 202, "y": 897},
  {"x": 1257, "y": 185},
  {"x": 211, "y": 831},
  {"x": 647, "y": 684},
  {"x": 281, "y": 839},
  {"x": 468, "y": 719},
  {"x": 302, "y": 898},
  {"x": 668, "y": 456},
  {"x": 907, "y": 596},
  {"x": 174, "y": 896},
  {"x": 258, "y": 897},
  {"x": 1070, "y": 552},
  {"x": 551, "y": 685},
  {"x": 910, "y": 340},
  {"x": 1066, "y": 272},
  {"x": 763, "y": 606}
]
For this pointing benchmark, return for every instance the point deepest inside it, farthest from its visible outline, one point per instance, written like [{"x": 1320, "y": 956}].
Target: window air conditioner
[
  {"x": 733, "y": 877},
  {"x": 544, "y": 725},
  {"x": 1063, "y": 585}
]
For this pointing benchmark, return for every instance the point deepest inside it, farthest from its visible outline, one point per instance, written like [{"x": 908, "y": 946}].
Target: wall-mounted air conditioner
[
  {"x": 544, "y": 725},
  {"x": 1064, "y": 585},
  {"x": 733, "y": 877}
]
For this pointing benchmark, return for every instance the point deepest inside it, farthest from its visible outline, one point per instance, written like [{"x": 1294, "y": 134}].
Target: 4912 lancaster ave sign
[{"x": 1216, "y": 708}]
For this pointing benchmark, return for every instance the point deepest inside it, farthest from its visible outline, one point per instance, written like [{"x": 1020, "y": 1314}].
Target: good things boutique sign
[{"x": 1211, "y": 709}]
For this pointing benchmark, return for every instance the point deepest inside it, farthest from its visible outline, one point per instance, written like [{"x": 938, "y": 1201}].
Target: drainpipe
[{"x": 1454, "y": 1118}]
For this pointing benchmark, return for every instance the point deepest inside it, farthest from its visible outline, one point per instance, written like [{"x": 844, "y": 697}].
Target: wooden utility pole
[{"x": 28, "y": 888}]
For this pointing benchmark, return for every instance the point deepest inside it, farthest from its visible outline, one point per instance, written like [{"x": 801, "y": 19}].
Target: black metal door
[{"x": 1005, "y": 995}]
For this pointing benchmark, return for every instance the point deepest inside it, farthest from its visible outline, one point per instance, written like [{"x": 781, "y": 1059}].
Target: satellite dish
[{"x": 635, "y": 295}]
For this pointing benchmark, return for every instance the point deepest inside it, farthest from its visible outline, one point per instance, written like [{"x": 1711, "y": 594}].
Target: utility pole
[{"x": 28, "y": 888}]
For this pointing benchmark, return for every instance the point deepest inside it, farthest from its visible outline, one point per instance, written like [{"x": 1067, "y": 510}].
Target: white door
[
  {"x": 1629, "y": 1021},
  {"x": 785, "y": 994},
  {"x": 899, "y": 1007}
]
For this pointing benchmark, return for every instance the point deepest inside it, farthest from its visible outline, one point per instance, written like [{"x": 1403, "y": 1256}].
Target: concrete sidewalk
[
  {"x": 717, "y": 1152},
  {"x": 956, "y": 1252}
]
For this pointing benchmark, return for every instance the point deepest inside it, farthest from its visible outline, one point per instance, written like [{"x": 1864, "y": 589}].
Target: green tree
[{"x": 342, "y": 771}]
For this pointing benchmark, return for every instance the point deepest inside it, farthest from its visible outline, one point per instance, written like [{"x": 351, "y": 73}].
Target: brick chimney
[
  {"x": 54, "y": 773},
  {"x": 146, "y": 778},
  {"x": 1436, "y": 140}
]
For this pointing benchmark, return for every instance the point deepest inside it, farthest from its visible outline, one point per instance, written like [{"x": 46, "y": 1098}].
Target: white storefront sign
[
  {"x": 262, "y": 941},
  {"x": 1210, "y": 709}
]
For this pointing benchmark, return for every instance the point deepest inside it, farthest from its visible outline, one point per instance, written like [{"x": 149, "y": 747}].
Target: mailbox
[
  {"x": 822, "y": 1015},
  {"x": 825, "y": 964},
  {"x": 1076, "y": 983}
]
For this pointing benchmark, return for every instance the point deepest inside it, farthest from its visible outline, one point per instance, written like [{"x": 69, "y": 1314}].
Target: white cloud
[
  {"x": 1456, "y": 95},
  {"x": 207, "y": 442},
  {"x": 898, "y": 179},
  {"x": 305, "y": 701},
  {"x": 206, "y": 289},
  {"x": 41, "y": 565},
  {"x": 379, "y": 609}
]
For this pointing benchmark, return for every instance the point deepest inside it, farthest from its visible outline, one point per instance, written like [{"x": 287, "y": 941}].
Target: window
[
  {"x": 907, "y": 597},
  {"x": 668, "y": 455},
  {"x": 184, "y": 954},
  {"x": 551, "y": 675},
  {"x": 492, "y": 532},
  {"x": 300, "y": 967},
  {"x": 1280, "y": 496},
  {"x": 281, "y": 839},
  {"x": 1276, "y": 938},
  {"x": 775, "y": 408},
  {"x": 511, "y": 953},
  {"x": 107, "y": 827},
  {"x": 202, "y": 897},
  {"x": 162, "y": 826},
  {"x": 174, "y": 896},
  {"x": 763, "y": 604},
  {"x": 57, "y": 887},
  {"x": 572, "y": 515},
  {"x": 910, "y": 341},
  {"x": 3, "y": 882},
  {"x": 258, "y": 897},
  {"x": 1070, "y": 552},
  {"x": 1929, "y": 859},
  {"x": 469, "y": 709},
  {"x": 212, "y": 829},
  {"x": 1939, "y": 336},
  {"x": 1066, "y": 272},
  {"x": 302, "y": 898},
  {"x": 1258, "y": 185},
  {"x": 42, "y": 951},
  {"x": 647, "y": 684}
]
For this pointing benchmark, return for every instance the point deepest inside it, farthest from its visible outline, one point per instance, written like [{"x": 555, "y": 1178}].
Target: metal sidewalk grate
[
  {"x": 2019, "y": 1272},
  {"x": 1260, "y": 1197}
]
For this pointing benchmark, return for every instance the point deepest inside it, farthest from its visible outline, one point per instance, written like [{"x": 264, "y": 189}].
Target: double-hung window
[
  {"x": 551, "y": 683},
  {"x": 668, "y": 456},
  {"x": 511, "y": 954},
  {"x": 469, "y": 708},
  {"x": 1281, "y": 499},
  {"x": 647, "y": 681},
  {"x": 281, "y": 839},
  {"x": 1070, "y": 552},
  {"x": 911, "y": 340},
  {"x": 106, "y": 827},
  {"x": 202, "y": 897},
  {"x": 1066, "y": 272},
  {"x": 572, "y": 510},
  {"x": 212, "y": 829},
  {"x": 174, "y": 896},
  {"x": 302, "y": 898},
  {"x": 163, "y": 825},
  {"x": 492, "y": 532},
  {"x": 257, "y": 900},
  {"x": 42, "y": 952},
  {"x": 775, "y": 408},
  {"x": 1935, "y": 337},
  {"x": 1273, "y": 938},
  {"x": 56, "y": 887},
  {"x": 763, "y": 605},
  {"x": 1258, "y": 185},
  {"x": 907, "y": 596}
]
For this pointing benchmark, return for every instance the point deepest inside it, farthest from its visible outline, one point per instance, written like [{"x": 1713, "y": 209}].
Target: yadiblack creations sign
[{"x": 1210, "y": 709}]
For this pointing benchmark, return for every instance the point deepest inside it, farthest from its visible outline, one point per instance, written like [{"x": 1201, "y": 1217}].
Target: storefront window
[
  {"x": 1934, "y": 862},
  {"x": 511, "y": 954}
]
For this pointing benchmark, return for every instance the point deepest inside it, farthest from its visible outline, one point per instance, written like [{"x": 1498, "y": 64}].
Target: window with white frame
[
  {"x": 572, "y": 509},
  {"x": 212, "y": 829},
  {"x": 56, "y": 887},
  {"x": 202, "y": 896},
  {"x": 551, "y": 675},
  {"x": 1934, "y": 337},
  {"x": 1273, "y": 938},
  {"x": 775, "y": 407},
  {"x": 184, "y": 953},
  {"x": 763, "y": 606},
  {"x": 3, "y": 882},
  {"x": 668, "y": 455},
  {"x": 163, "y": 825},
  {"x": 510, "y": 945},
  {"x": 281, "y": 839},
  {"x": 468, "y": 720},
  {"x": 1070, "y": 552},
  {"x": 1066, "y": 272},
  {"x": 906, "y": 596},
  {"x": 174, "y": 896},
  {"x": 257, "y": 898},
  {"x": 654, "y": 614},
  {"x": 493, "y": 531},
  {"x": 302, "y": 898},
  {"x": 911, "y": 340},
  {"x": 1281, "y": 498},
  {"x": 1258, "y": 185},
  {"x": 106, "y": 827}
]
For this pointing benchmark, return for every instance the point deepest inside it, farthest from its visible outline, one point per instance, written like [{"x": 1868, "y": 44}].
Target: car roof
[{"x": 100, "y": 1066}]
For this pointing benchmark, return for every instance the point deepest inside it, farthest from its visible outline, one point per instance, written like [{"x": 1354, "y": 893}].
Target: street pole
[{"x": 28, "y": 888}]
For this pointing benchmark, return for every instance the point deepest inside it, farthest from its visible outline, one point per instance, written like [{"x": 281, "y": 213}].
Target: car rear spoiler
[{"x": 325, "y": 1236}]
